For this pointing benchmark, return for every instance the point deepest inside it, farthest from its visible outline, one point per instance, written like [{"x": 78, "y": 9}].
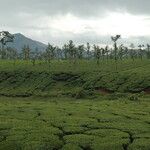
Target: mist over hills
[{"x": 20, "y": 40}]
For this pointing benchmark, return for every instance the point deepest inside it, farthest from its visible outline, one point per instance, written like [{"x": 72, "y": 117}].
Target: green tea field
[
  {"x": 69, "y": 124},
  {"x": 65, "y": 106},
  {"x": 74, "y": 75}
]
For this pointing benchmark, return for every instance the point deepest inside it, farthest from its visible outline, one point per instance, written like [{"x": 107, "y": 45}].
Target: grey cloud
[
  {"x": 11, "y": 9},
  {"x": 76, "y": 7},
  {"x": 22, "y": 15}
]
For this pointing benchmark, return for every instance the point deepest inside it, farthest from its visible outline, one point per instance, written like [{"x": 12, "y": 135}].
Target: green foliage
[
  {"x": 77, "y": 80},
  {"x": 74, "y": 106},
  {"x": 61, "y": 123}
]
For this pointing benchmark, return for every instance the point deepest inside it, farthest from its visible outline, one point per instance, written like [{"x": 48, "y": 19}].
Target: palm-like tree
[
  {"x": 72, "y": 51},
  {"x": 97, "y": 53},
  {"x": 65, "y": 51},
  {"x": 121, "y": 51},
  {"x": 50, "y": 52},
  {"x": 114, "y": 39},
  {"x": 148, "y": 51},
  {"x": 5, "y": 37},
  {"x": 141, "y": 51},
  {"x": 80, "y": 51},
  {"x": 88, "y": 47},
  {"x": 132, "y": 51},
  {"x": 107, "y": 52}
]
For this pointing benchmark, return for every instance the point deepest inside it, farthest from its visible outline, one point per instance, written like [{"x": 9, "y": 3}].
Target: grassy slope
[
  {"x": 67, "y": 124},
  {"x": 64, "y": 78}
]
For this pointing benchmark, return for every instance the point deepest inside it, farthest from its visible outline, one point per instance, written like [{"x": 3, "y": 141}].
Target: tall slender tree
[
  {"x": 26, "y": 51},
  {"x": 80, "y": 51},
  {"x": 5, "y": 37},
  {"x": 107, "y": 52},
  {"x": 88, "y": 47},
  {"x": 148, "y": 51},
  {"x": 65, "y": 50},
  {"x": 50, "y": 52},
  {"x": 132, "y": 51},
  {"x": 72, "y": 51},
  {"x": 141, "y": 51},
  {"x": 97, "y": 53},
  {"x": 115, "y": 39}
]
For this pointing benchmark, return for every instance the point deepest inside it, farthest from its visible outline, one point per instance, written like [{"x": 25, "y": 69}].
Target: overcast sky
[{"x": 57, "y": 21}]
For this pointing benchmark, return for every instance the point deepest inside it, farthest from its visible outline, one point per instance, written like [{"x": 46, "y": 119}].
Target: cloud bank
[{"x": 81, "y": 20}]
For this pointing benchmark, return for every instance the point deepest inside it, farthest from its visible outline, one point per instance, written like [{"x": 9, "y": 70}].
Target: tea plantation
[
  {"x": 75, "y": 80},
  {"x": 70, "y": 124},
  {"x": 82, "y": 106}
]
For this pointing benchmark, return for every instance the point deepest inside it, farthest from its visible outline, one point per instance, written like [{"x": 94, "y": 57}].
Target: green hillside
[
  {"x": 82, "y": 106},
  {"x": 64, "y": 78}
]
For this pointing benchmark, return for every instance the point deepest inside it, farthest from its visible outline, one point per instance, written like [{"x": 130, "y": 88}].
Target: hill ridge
[{"x": 20, "y": 40}]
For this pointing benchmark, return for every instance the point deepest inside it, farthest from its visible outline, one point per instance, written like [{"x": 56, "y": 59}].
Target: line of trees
[{"x": 72, "y": 52}]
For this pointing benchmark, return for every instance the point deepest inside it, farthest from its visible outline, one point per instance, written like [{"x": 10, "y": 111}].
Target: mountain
[{"x": 20, "y": 40}]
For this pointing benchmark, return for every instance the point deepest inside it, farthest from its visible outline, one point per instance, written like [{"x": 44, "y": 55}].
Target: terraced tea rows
[{"x": 64, "y": 124}]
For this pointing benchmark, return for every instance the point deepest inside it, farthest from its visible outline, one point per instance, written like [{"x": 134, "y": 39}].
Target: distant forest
[{"x": 73, "y": 52}]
